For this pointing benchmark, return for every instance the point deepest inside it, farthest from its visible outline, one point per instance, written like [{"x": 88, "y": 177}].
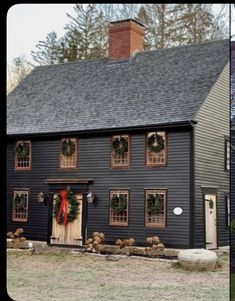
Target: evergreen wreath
[
  {"x": 120, "y": 145},
  {"x": 67, "y": 148},
  {"x": 22, "y": 149},
  {"x": 211, "y": 204},
  {"x": 73, "y": 207},
  {"x": 118, "y": 203},
  {"x": 19, "y": 202},
  {"x": 154, "y": 203},
  {"x": 155, "y": 143}
]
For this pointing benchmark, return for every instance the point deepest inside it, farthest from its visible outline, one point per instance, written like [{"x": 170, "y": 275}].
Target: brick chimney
[{"x": 125, "y": 38}]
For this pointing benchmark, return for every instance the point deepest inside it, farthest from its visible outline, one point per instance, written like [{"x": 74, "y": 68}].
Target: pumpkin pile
[
  {"x": 16, "y": 237},
  {"x": 94, "y": 243},
  {"x": 156, "y": 248}
]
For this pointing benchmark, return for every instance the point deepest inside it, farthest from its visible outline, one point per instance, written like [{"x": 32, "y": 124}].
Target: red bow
[{"x": 63, "y": 207}]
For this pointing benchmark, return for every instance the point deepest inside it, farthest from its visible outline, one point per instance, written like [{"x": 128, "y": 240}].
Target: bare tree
[{"x": 17, "y": 71}]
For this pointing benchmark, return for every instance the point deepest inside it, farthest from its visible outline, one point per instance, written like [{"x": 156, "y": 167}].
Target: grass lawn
[{"x": 62, "y": 276}]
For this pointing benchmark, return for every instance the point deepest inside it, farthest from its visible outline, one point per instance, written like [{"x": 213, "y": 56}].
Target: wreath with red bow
[{"x": 66, "y": 207}]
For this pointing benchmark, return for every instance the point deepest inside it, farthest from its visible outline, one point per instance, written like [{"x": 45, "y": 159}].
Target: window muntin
[
  {"x": 155, "y": 208},
  {"x": 20, "y": 208},
  {"x": 23, "y": 161},
  {"x": 68, "y": 161},
  {"x": 227, "y": 154},
  {"x": 119, "y": 216},
  {"x": 123, "y": 159},
  {"x": 156, "y": 158}
]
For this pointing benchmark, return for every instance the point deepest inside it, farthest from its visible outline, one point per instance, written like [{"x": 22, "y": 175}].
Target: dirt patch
[{"x": 56, "y": 275}]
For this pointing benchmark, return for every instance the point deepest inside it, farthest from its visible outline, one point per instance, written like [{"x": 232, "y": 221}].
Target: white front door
[
  {"x": 72, "y": 233},
  {"x": 210, "y": 221}
]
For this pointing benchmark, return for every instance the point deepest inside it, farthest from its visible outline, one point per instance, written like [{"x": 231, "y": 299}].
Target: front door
[
  {"x": 71, "y": 234},
  {"x": 210, "y": 221}
]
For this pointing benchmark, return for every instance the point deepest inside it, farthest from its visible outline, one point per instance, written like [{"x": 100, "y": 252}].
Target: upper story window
[
  {"x": 68, "y": 153},
  {"x": 119, "y": 207},
  {"x": 120, "y": 151},
  {"x": 156, "y": 149},
  {"x": 20, "y": 205},
  {"x": 23, "y": 153},
  {"x": 155, "y": 208},
  {"x": 227, "y": 154}
]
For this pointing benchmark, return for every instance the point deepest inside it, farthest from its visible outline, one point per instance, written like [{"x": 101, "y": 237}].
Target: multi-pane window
[
  {"x": 156, "y": 149},
  {"x": 227, "y": 205},
  {"x": 155, "y": 208},
  {"x": 119, "y": 207},
  {"x": 68, "y": 153},
  {"x": 23, "y": 153},
  {"x": 227, "y": 154},
  {"x": 120, "y": 151},
  {"x": 20, "y": 205}
]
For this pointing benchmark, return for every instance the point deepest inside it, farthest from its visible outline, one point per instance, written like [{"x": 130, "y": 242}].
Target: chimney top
[
  {"x": 126, "y": 37},
  {"x": 127, "y": 20}
]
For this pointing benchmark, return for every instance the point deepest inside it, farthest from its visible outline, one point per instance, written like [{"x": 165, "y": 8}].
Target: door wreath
[{"x": 66, "y": 207}]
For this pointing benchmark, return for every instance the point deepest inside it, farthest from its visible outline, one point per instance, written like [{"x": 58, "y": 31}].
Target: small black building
[{"x": 146, "y": 133}]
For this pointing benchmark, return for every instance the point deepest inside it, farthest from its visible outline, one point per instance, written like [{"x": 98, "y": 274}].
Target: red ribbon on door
[{"x": 63, "y": 207}]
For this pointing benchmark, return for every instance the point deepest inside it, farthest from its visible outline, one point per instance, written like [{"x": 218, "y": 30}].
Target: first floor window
[
  {"x": 119, "y": 207},
  {"x": 68, "y": 153},
  {"x": 20, "y": 205},
  {"x": 120, "y": 151},
  {"x": 156, "y": 149},
  {"x": 23, "y": 155},
  {"x": 227, "y": 205},
  {"x": 155, "y": 208}
]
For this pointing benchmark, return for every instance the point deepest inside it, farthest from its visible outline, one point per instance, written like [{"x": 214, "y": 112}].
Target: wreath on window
[
  {"x": 22, "y": 149},
  {"x": 154, "y": 203},
  {"x": 67, "y": 148},
  {"x": 66, "y": 207},
  {"x": 155, "y": 143},
  {"x": 118, "y": 203},
  {"x": 19, "y": 201},
  {"x": 120, "y": 145}
]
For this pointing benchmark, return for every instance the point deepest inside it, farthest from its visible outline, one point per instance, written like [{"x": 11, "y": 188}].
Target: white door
[
  {"x": 210, "y": 221},
  {"x": 72, "y": 233}
]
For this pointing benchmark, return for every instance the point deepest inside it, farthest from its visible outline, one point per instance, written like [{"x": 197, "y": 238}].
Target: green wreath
[
  {"x": 155, "y": 143},
  {"x": 118, "y": 203},
  {"x": 73, "y": 206},
  {"x": 19, "y": 202},
  {"x": 67, "y": 148},
  {"x": 211, "y": 204},
  {"x": 154, "y": 203},
  {"x": 120, "y": 145},
  {"x": 22, "y": 149}
]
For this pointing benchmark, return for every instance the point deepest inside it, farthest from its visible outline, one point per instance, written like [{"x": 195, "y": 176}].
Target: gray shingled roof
[{"x": 155, "y": 87}]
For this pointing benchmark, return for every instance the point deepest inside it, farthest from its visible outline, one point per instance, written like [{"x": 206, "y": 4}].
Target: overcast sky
[{"x": 29, "y": 23}]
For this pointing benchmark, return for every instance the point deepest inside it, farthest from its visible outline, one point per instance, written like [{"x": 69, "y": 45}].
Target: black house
[{"x": 141, "y": 139}]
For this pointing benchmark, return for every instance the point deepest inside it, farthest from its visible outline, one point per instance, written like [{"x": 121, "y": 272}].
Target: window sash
[
  {"x": 20, "y": 215},
  {"x": 157, "y": 220},
  {"x": 119, "y": 219},
  {"x": 25, "y": 162},
  {"x": 71, "y": 161},
  {"x": 120, "y": 160},
  {"x": 156, "y": 159}
]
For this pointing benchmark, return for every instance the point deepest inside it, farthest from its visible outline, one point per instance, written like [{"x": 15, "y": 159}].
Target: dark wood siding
[
  {"x": 210, "y": 132},
  {"x": 94, "y": 162}
]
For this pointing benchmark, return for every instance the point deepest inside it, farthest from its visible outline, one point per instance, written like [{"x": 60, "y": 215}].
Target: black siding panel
[{"x": 94, "y": 162}]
